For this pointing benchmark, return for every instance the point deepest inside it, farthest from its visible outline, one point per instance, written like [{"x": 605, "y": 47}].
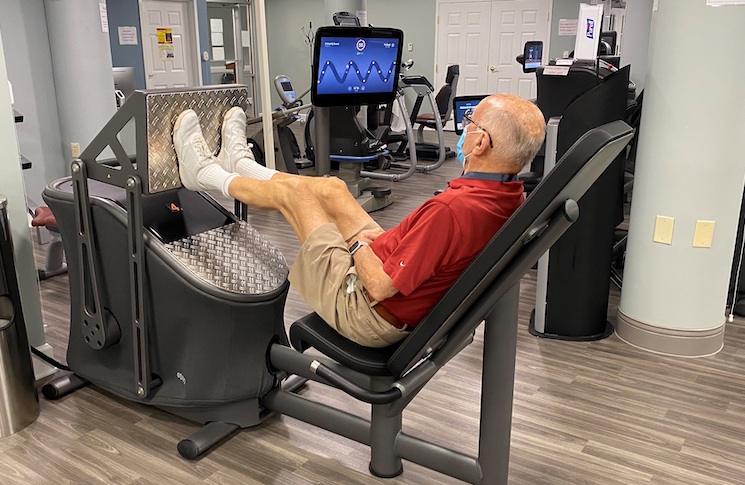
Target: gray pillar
[
  {"x": 81, "y": 61},
  {"x": 688, "y": 168},
  {"x": 11, "y": 185}
]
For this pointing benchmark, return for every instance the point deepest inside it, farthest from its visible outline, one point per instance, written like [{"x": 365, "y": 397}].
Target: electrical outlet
[
  {"x": 703, "y": 234},
  {"x": 410, "y": 47},
  {"x": 663, "y": 230},
  {"x": 75, "y": 149}
]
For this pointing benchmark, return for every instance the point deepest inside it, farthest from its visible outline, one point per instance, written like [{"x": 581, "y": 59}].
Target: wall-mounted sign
[
  {"x": 104, "y": 17},
  {"x": 127, "y": 35},
  {"x": 568, "y": 27}
]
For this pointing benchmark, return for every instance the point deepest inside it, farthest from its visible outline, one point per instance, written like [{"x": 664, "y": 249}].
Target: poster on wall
[
  {"x": 568, "y": 27},
  {"x": 165, "y": 44}
]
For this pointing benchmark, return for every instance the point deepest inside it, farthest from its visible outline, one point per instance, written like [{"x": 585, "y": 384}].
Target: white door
[
  {"x": 463, "y": 38},
  {"x": 169, "y": 44},
  {"x": 513, "y": 24}
]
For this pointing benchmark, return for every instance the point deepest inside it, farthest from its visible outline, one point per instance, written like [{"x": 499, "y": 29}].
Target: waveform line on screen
[{"x": 340, "y": 79}]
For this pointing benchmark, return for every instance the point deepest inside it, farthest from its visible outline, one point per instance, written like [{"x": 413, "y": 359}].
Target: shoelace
[
  {"x": 201, "y": 148},
  {"x": 243, "y": 149}
]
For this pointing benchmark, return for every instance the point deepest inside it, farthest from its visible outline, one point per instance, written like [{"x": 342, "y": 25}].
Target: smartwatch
[{"x": 356, "y": 246}]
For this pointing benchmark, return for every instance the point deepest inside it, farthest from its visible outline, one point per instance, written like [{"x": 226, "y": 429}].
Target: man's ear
[{"x": 482, "y": 146}]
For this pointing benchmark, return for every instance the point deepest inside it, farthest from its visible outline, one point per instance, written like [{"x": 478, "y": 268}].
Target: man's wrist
[{"x": 356, "y": 247}]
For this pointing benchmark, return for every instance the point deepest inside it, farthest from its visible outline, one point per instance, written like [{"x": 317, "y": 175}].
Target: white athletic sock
[
  {"x": 214, "y": 177},
  {"x": 252, "y": 169}
]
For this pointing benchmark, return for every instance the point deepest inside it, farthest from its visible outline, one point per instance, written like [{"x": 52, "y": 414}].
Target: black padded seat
[{"x": 312, "y": 331}]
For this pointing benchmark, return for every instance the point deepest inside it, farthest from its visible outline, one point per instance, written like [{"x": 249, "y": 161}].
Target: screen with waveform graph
[{"x": 355, "y": 65}]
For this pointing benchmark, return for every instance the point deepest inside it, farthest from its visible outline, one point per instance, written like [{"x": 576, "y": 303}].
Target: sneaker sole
[{"x": 176, "y": 126}]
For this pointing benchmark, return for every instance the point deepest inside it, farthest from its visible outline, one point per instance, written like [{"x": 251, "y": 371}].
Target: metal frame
[
  {"x": 541, "y": 294},
  {"x": 129, "y": 175},
  {"x": 383, "y": 433}
]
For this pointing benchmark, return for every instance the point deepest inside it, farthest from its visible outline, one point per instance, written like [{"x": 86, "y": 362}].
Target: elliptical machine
[{"x": 441, "y": 111}]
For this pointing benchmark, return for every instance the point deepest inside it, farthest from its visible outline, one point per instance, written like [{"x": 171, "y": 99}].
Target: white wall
[
  {"x": 636, "y": 39},
  {"x": 11, "y": 185}
]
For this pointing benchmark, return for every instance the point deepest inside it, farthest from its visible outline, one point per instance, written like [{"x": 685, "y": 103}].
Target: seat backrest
[
  {"x": 446, "y": 94},
  {"x": 463, "y": 305}
]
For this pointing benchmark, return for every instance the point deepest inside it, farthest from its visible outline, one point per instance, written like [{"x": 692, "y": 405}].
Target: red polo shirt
[{"x": 433, "y": 245}]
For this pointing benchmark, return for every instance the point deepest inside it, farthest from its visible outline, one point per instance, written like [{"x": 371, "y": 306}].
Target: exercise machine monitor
[
  {"x": 356, "y": 65},
  {"x": 462, "y": 104}
]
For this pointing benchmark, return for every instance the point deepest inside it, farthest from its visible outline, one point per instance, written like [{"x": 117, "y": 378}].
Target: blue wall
[{"x": 126, "y": 13}]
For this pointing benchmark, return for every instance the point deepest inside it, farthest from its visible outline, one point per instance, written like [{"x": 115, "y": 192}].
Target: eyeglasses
[{"x": 467, "y": 120}]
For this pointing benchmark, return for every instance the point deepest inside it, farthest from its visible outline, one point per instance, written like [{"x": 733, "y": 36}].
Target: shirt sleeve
[{"x": 422, "y": 251}]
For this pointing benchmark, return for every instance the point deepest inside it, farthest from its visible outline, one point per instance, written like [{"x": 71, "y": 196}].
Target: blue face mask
[{"x": 459, "y": 148}]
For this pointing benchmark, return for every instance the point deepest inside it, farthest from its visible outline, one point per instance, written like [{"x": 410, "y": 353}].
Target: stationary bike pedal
[{"x": 378, "y": 192}]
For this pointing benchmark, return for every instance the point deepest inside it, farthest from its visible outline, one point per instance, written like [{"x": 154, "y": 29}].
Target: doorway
[
  {"x": 231, "y": 41},
  {"x": 484, "y": 37},
  {"x": 169, "y": 43}
]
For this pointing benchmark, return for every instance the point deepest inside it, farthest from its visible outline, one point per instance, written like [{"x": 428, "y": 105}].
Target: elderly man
[{"x": 374, "y": 286}]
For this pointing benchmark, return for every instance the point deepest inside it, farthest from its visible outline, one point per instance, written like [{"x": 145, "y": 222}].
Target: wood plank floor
[{"x": 585, "y": 413}]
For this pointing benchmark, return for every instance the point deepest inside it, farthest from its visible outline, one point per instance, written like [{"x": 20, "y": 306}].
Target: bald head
[{"x": 517, "y": 129}]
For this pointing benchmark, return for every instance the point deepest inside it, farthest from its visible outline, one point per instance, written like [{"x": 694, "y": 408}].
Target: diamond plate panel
[
  {"x": 163, "y": 109},
  {"x": 234, "y": 257}
]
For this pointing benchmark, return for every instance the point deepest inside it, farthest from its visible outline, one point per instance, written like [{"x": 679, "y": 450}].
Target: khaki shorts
[{"x": 325, "y": 276}]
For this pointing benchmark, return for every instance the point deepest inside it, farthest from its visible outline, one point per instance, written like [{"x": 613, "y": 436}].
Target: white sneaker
[
  {"x": 234, "y": 143},
  {"x": 191, "y": 149}
]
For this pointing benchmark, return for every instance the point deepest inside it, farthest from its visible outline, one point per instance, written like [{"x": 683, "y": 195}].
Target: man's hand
[
  {"x": 378, "y": 284},
  {"x": 367, "y": 236}
]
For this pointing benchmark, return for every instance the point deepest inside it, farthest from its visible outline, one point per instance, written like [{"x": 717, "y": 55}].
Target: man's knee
[{"x": 334, "y": 186}]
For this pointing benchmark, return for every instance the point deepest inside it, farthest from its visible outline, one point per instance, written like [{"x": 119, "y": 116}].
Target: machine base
[{"x": 607, "y": 332}]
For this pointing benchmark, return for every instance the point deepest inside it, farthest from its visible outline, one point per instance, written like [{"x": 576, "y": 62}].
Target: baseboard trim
[{"x": 675, "y": 342}]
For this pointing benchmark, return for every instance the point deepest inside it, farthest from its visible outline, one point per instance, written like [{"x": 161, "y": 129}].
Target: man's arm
[{"x": 377, "y": 283}]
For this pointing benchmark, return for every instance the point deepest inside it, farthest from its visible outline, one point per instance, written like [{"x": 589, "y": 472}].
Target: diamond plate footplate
[
  {"x": 163, "y": 109},
  {"x": 234, "y": 257}
]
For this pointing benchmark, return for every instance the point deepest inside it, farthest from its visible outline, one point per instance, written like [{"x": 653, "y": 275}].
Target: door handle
[
  {"x": 150, "y": 76},
  {"x": 493, "y": 69}
]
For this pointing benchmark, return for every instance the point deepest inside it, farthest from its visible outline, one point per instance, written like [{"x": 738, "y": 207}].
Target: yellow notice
[
  {"x": 165, "y": 36},
  {"x": 165, "y": 44}
]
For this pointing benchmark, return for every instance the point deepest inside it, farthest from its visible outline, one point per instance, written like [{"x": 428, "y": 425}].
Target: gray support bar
[
  {"x": 322, "y": 140},
  {"x": 397, "y": 177},
  {"x": 331, "y": 419},
  {"x": 541, "y": 292},
  {"x": 498, "y": 382},
  {"x": 136, "y": 246},
  {"x": 384, "y": 462},
  {"x": 439, "y": 458},
  {"x": 93, "y": 313},
  {"x": 440, "y": 137}
]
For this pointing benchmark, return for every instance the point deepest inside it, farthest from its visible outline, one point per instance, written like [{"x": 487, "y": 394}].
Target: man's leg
[
  {"x": 330, "y": 192},
  {"x": 306, "y": 203}
]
